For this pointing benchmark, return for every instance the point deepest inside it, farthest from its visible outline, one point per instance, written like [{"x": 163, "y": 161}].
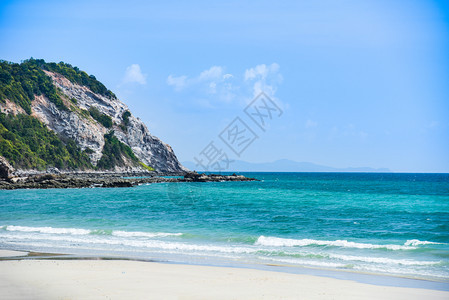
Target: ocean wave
[
  {"x": 304, "y": 262},
  {"x": 148, "y": 244},
  {"x": 80, "y": 231},
  {"x": 51, "y": 230},
  {"x": 419, "y": 273},
  {"x": 281, "y": 242},
  {"x": 384, "y": 260},
  {"x": 348, "y": 258},
  {"x": 128, "y": 241},
  {"x": 418, "y": 243},
  {"x": 143, "y": 234}
]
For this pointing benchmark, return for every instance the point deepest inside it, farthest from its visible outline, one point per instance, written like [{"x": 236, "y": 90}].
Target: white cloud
[
  {"x": 264, "y": 78},
  {"x": 211, "y": 81},
  {"x": 216, "y": 85},
  {"x": 213, "y": 87},
  {"x": 134, "y": 74},
  {"x": 178, "y": 82},
  {"x": 261, "y": 71},
  {"x": 213, "y": 73},
  {"x": 258, "y": 71}
]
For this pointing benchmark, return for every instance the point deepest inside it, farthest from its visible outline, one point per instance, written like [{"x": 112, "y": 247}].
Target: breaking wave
[
  {"x": 281, "y": 242},
  {"x": 80, "y": 231}
]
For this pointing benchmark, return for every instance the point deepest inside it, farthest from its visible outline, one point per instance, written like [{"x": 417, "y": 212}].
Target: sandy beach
[{"x": 122, "y": 279}]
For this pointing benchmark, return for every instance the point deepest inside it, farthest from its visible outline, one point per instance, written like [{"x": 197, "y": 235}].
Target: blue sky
[{"x": 360, "y": 83}]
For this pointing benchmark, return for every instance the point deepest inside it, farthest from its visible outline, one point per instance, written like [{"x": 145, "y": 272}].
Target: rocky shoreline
[{"x": 33, "y": 180}]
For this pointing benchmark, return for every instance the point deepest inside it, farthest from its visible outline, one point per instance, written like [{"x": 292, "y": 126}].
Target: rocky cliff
[{"x": 87, "y": 117}]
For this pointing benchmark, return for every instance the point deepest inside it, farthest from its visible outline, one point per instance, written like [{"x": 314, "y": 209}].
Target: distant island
[{"x": 285, "y": 165}]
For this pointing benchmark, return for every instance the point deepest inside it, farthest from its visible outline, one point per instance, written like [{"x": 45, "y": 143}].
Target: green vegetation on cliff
[
  {"x": 115, "y": 153},
  {"x": 75, "y": 75},
  {"x": 21, "y": 82},
  {"x": 105, "y": 120},
  {"x": 124, "y": 125},
  {"x": 125, "y": 117},
  {"x": 27, "y": 143}
]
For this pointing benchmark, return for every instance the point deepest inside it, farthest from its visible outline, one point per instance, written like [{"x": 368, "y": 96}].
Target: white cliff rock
[
  {"x": 9, "y": 107},
  {"x": 88, "y": 133},
  {"x": 85, "y": 132}
]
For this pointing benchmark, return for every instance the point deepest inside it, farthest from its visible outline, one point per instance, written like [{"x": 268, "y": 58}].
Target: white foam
[
  {"x": 383, "y": 260},
  {"x": 314, "y": 263},
  {"x": 51, "y": 230},
  {"x": 281, "y": 242},
  {"x": 183, "y": 247},
  {"x": 143, "y": 234},
  {"x": 154, "y": 244},
  {"x": 418, "y": 242},
  {"x": 396, "y": 270},
  {"x": 80, "y": 231}
]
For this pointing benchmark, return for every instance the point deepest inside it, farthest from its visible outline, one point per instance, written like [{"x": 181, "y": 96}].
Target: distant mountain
[
  {"x": 56, "y": 115},
  {"x": 285, "y": 165}
]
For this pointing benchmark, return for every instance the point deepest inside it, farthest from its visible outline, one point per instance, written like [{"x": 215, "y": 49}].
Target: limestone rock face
[
  {"x": 82, "y": 129},
  {"x": 8, "y": 107},
  {"x": 78, "y": 125}
]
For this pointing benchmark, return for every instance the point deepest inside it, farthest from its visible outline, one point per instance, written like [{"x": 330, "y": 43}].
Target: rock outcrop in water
[{"x": 97, "y": 179}]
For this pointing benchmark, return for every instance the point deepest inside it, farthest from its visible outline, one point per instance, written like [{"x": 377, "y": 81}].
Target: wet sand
[{"x": 127, "y": 279}]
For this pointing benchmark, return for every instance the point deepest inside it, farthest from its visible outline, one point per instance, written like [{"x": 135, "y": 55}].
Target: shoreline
[
  {"x": 108, "y": 180},
  {"x": 360, "y": 277},
  {"x": 93, "y": 278}
]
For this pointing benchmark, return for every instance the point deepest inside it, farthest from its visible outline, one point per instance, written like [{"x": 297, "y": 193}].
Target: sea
[{"x": 369, "y": 223}]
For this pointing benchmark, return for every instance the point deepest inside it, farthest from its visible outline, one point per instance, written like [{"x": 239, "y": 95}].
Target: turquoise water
[{"x": 381, "y": 223}]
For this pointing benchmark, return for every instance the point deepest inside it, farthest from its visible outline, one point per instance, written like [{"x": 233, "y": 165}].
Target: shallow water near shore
[{"x": 393, "y": 224}]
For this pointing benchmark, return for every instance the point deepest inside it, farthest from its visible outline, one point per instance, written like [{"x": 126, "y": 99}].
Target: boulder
[
  {"x": 191, "y": 175},
  {"x": 6, "y": 169}
]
